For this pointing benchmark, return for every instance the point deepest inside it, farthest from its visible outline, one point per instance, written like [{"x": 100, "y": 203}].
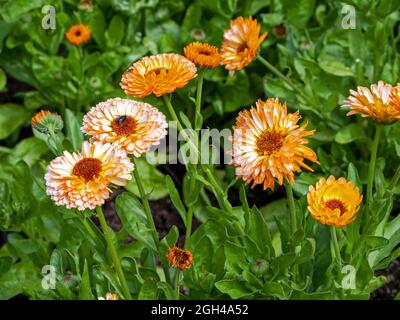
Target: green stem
[
  {"x": 96, "y": 235},
  {"x": 114, "y": 255},
  {"x": 395, "y": 179},
  {"x": 172, "y": 112},
  {"x": 180, "y": 127},
  {"x": 189, "y": 226},
  {"x": 223, "y": 202},
  {"x": 292, "y": 209},
  {"x": 372, "y": 163},
  {"x": 197, "y": 116},
  {"x": 177, "y": 288},
  {"x": 145, "y": 203},
  {"x": 289, "y": 82},
  {"x": 149, "y": 216},
  {"x": 336, "y": 256}
]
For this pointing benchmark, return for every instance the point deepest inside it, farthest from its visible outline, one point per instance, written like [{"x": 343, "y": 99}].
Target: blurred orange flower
[
  {"x": 203, "y": 54},
  {"x": 78, "y": 34}
]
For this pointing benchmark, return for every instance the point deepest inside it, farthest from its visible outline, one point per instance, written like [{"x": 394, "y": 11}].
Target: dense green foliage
[{"x": 306, "y": 41}]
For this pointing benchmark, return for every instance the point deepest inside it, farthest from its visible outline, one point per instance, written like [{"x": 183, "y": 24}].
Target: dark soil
[{"x": 392, "y": 286}]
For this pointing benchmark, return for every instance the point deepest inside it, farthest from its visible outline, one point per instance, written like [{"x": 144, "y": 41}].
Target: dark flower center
[
  {"x": 87, "y": 168},
  {"x": 242, "y": 47},
  {"x": 157, "y": 71},
  {"x": 336, "y": 204},
  {"x": 205, "y": 53},
  {"x": 124, "y": 125},
  {"x": 269, "y": 142}
]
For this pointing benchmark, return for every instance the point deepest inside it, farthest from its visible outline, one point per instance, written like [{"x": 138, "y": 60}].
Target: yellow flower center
[
  {"x": 269, "y": 142},
  {"x": 87, "y": 168},
  {"x": 336, "y": 204},
  {"x": 124, "y": 125}
]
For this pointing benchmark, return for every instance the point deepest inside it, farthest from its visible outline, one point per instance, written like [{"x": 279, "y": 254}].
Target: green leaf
[
  {"x": 85, "y": 292},
  {"x": 276, "y": 290},
  {"x": 48, "y": 69},
  {"x": 133, "y": 218},
  {"x": 153, "y": 181},
  {"x": 97, "y": 24},
  {"x": 115, "y": 31},
  {"x": 11, "y": 10},
  {"x": 148, "y": 291},
  {"x": 234, "y": 288},
  {"x": 74, "y": 132},
  {"x": 5, "y": 264},
  {"x": 30, "y": 150},
  {"x": 352, "y": 175},
  {"x": 336, "y": 68},
  {"x": 23, "y": 276},
  {"x": 3, "y": 79},
  {"x": 298, "y": 12},
  {"x": 17, "y": 113},
  {"x": 175, "y": 198},
  {"x": 23, "y": 246},
  {"x": 169, "y": 292},
  {"x": 235, "y": 258},
  {"x": 350, "y": 133},
  {"x": 257, "y": 230}
]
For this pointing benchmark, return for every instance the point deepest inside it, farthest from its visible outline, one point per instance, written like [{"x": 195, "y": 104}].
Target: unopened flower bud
[
  {"x": 259, "y": 267},
  {"x": 46, "y": 122}
]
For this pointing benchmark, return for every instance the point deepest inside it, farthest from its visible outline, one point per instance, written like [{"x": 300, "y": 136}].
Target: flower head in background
[
  {"x": 82, "y": 180},
  {"x": 179, "y": 258},
  {"x": 241, "y": 43},
  {"x": 133, "y": 126},
  {"x": 374, "y": 103},
  {"x": 109, "y": 296},
  {"x": 78, "y": 34},
  {"x": 46, "y": 121},
  {"x": 203, "y": 54},
  {"x": 85, "y": 5},
  {"x": 268, "y": 144},
  {"x": 394, "y": 97},
  {"x": 334, "y": 202},
  {"x": 159, "y": 75}
]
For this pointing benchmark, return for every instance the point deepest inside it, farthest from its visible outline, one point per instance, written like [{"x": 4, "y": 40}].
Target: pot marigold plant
[{"x": 171, "y": 151}]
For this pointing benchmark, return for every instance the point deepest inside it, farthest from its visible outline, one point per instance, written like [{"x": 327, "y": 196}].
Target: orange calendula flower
[
  {"x": 334, "y": 202},
  {"x": 45, "y": 121},
  {"x": 203, "y": 54},
  {"x": 241, "y": 43},
  {"x": 159, "y": 74},
  {"x": 78, "y": 34},
  {"x": 395, "y": 97},
  {"x": 131, "y": 125},
  {"x": 378, "y": 103},
  {"x": 109, "y": 296},
  {"x": 179, "y": 258},
  {"x": 82, "y": 180},
  {"x": 268, "y": 144}
]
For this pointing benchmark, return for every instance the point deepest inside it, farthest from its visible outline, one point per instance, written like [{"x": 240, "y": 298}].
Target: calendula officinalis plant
[{"x": 266, "y": 130}]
